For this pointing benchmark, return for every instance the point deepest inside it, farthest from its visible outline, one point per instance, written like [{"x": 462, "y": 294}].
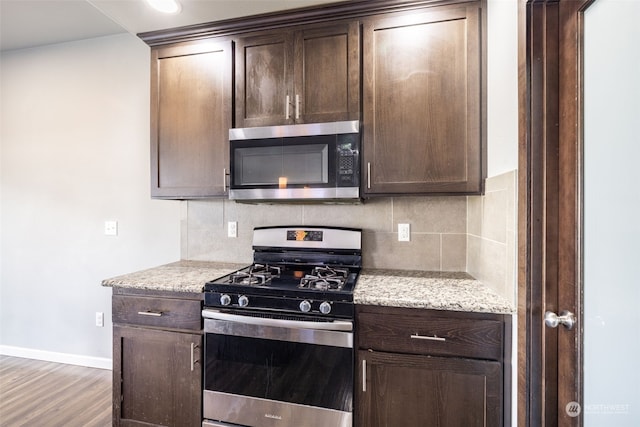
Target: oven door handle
[{"x": 336, "y": 325}]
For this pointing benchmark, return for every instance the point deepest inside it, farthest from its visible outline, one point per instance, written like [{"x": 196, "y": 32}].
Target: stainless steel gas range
[{"x": 279, "y": 333}]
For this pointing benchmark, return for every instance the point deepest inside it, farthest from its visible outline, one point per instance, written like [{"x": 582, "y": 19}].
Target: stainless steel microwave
[{"x": 316, "y": 161}]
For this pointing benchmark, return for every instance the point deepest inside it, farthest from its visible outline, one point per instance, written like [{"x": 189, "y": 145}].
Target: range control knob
[
  {"x": 225, "y": 299},
  {"x": 325, "y": 308},
  {"x": 243, "y": 301},
  {"x": 305, "y": 306}
]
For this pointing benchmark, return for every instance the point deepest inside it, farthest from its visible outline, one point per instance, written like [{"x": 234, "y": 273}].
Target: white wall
[
  {"x": 502, "y": 86},
  {"x": 611, "y": 214},
  {"x": 74, "y": 153}
]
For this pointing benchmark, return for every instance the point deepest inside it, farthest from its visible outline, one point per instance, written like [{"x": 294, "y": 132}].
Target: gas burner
[
  {"x": 324, "y": 278},
  {"x": 266, "y": 269},
  {"x": 321, "y": 283},
  {"x": 327, "y": 272},
  {"x": 244, "y": 278},
  {"x": 256, "y": 274}
]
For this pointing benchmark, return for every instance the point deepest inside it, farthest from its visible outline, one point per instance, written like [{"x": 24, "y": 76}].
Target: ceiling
[{"x": 31, "y": 23}]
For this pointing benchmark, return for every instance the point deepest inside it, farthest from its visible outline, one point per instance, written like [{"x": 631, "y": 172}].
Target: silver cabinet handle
[
  {"x": 150, "y": 313},
  {"x": 364, "y": 375},
  {"x": 297, "y": 107},
  {"x": 193, "y": 351},
  {"x": 428, "y": 338},
  {"x": 566, "y": 319},
  {"x": 286, "y": 107},
  {"x": 368, "y": 174},
  {"x": 224, "y": 179}
]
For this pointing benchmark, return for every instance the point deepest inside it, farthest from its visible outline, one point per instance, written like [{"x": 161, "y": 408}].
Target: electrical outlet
[
  {"x": 232, "y": 229},
  {"x": 99, "y": 318},
  {"x": 404, "y": 232},
  {"x": 111, "y": 228}
]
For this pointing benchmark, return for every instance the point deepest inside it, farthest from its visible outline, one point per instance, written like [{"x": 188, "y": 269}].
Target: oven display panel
[{"x": 305, "y": 235}]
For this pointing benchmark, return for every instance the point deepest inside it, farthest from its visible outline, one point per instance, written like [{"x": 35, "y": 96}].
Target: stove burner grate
[
  {"x": 243, "y": 278},
  {"x": 325, "y": 279},
  {"x": 266, "y": 269},
  {"x": 257, "y": 274},
  {"x": 330, "y": 272}
]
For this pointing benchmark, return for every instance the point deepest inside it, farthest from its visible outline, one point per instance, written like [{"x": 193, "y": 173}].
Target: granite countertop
[
  {"x": 397, "y": 288},
  {"x": 432, "y": 290},
  {"x": 180, "y": 276}
]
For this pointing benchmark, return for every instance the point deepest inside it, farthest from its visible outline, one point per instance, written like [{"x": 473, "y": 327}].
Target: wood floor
[{"x": 47, "y": 394}]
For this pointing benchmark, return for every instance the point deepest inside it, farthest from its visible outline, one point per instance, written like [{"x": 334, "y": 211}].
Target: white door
[{"x": 611, "y": 232}]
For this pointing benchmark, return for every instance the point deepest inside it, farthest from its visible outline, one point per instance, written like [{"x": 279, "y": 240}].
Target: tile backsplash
[
  {"x": 491, "y": 235},
  {"x": 451, "y": 233}
]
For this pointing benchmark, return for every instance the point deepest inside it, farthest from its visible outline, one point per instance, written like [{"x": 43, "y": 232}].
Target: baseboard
[{"x": 51, "y": 356}]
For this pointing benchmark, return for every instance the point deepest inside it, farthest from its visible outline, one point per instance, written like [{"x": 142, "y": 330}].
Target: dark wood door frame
[{"x": 549, "y": 218}]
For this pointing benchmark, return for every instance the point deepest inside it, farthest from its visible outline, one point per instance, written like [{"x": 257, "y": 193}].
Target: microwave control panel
[{"x": 348, "y": 152}]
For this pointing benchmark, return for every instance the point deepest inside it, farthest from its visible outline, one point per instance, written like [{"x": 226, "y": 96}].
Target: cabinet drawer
[
  {"x": 160, "y": 312},
  {"x": 415, "y": 331}
]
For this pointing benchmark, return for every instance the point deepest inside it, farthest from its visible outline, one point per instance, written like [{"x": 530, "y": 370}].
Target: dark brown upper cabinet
[
  {"x": 304, "y": 75},
  {"x": 423, "y": 102},
  {"x": 191, "y": 98}
]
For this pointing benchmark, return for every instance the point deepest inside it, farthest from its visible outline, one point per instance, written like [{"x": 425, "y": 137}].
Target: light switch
[
  {"x": 99, "y": 318},
  {"x": 111, "y": 228}
]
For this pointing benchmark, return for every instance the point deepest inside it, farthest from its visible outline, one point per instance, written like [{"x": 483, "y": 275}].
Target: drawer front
[
  {"x": 414, "y": 332},
  {"x": 158, "y": 312}
]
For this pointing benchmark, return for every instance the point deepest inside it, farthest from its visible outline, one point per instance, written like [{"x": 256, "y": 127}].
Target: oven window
[
  {"x": 270, "y": 163},
  {"x": 307, "y": 374}
]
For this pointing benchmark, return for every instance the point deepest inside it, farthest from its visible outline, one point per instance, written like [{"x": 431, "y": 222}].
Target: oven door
[{"x": 265, "y": 372}]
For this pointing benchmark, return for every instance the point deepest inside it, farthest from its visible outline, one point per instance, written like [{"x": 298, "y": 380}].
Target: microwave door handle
[{"x": 286, "y": 108}]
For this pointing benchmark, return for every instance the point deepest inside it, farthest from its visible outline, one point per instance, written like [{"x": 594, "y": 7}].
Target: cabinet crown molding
[{"x": 302, "y": 16}]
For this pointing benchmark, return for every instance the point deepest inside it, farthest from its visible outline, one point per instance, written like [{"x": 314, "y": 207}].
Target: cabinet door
[
  {"x": 190, "y": 119},
  {"x": 327, "y": 73},
  {"x": 410, "y": 390},
  {"x": 159, "y": 376},
  {"x": 264, "y": 79},
  {"x": 422, "y": 103}
]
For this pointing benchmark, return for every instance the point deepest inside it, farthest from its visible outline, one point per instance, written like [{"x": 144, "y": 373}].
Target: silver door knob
[{"x": 566, "y": 318}]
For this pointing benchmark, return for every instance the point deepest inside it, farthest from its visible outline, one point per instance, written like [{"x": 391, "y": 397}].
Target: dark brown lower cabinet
[
  {"x": 410, "y": 390},
  {"x": 157, "y": 371},
  {"x": 418, "y": 367}
]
